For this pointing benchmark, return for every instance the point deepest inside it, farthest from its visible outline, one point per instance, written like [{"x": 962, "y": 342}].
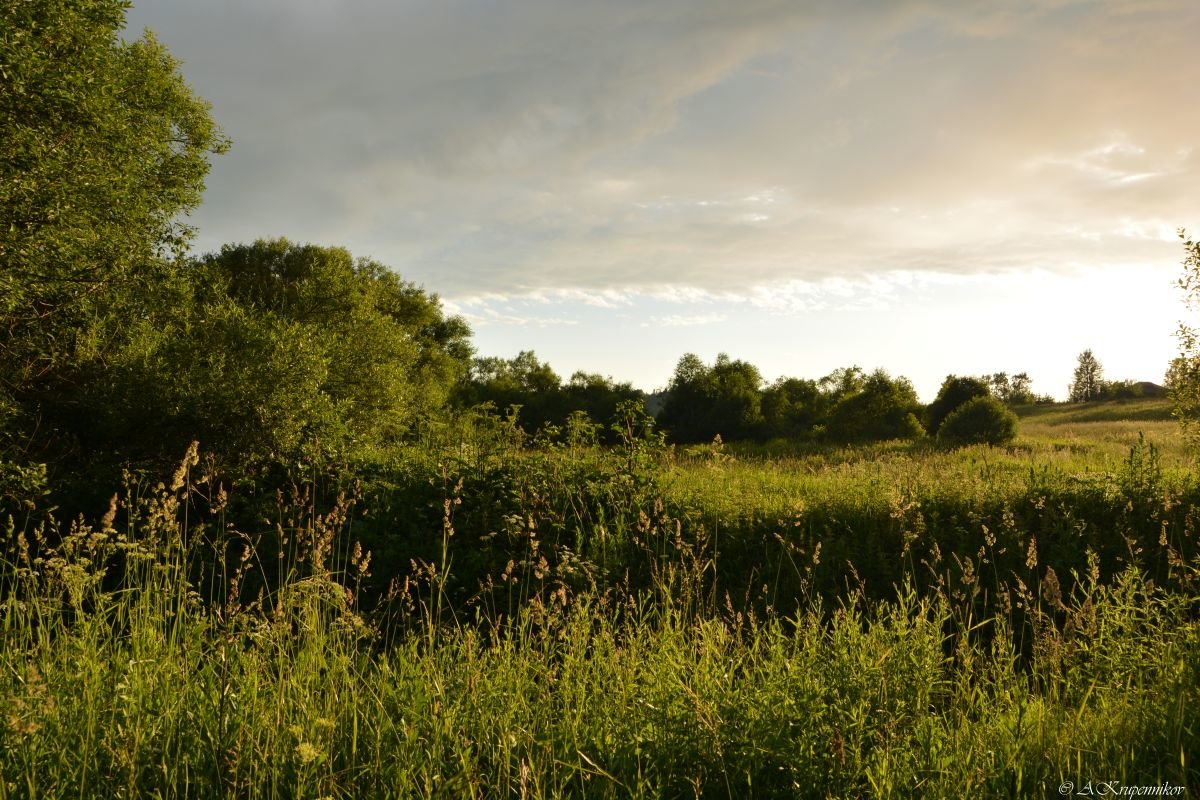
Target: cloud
[
  {"x": 486, "y": 316},
  {"x": 684, "y": 320},
  {"x": 541, "y": 148}
]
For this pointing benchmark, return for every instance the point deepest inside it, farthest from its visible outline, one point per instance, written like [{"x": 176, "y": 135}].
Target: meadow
[
  {"x": 387, "y": 566},
  {"x": 485, "y": 617}
]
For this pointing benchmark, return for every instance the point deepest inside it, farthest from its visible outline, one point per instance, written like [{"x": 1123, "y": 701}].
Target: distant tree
[
  {"x": 842, "y": 382},
  {"x": 955, "y": 392},
  {"x": 737, "y": 400},
  {"x": 686, "y": 412},
  {"x": 1089, "y": 379},
  {"x": 522, "y": 381},
  {"x": 792, "y": 407},
  {"x": 884, "y": 408},
  {"x": 598, "y": 396},
  {"x": 1012, "y": 390},
  {"x": 1122, "y": 390},
  {"x": 980, "y": 420},
  {"x": 704, "y": 401}
]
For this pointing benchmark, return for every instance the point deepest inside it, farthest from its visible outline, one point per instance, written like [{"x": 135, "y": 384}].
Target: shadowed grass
[{"x": 138, "y": 684}]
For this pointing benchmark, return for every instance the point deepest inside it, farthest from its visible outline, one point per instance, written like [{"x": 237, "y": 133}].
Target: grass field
[{"x": 887, "y": 621}]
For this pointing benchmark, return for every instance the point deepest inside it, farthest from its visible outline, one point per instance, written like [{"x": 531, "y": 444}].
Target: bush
[
  {"x": 954, "y": 393},
  {"x": 981, "y": 420},
  {"x": 884, "y": 408}
]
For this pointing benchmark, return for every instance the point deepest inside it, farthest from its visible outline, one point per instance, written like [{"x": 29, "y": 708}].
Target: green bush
[
  {"x": 954, "y": 392},
  {"x": 981, "y": 420},
  {"x": 884, "y": 408}
]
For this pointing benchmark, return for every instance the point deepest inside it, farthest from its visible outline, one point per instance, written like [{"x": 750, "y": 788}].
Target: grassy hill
[{"x": 1144, "y": 410}]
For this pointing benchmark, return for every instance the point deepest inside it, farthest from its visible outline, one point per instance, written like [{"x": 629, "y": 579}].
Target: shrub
[
  {"x": 981, "y": 420},
  {"x": 884, "y": 408},
  {"x": 954, "y": 392}
]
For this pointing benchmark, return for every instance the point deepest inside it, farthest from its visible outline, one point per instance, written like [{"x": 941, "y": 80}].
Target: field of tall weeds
[{"x": 478, "y": 617}]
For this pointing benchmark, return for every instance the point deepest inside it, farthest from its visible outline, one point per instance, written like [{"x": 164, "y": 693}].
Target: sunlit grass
[
  {"x": 885, "y": 621},
  {"x": 139, "y": 696}
]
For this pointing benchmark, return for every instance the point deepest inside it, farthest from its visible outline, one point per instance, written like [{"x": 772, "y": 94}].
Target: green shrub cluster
[{"x": 981, "y": 420}]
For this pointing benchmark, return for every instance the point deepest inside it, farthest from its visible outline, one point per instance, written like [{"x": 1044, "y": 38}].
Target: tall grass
[{"x": 157, "y": 652}]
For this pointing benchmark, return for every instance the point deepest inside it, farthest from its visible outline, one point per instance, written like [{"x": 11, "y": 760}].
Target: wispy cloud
[
  {"x": 580, "y": 152},
  {"x": 482, "y": 317},
  {"x": 684, "y": 320}
]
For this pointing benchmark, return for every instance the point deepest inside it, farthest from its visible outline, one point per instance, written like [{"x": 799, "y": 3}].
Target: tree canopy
[
  {"x": 982, "y": 419},
  {"x": 706, "y": 401},
  {"x": 105, "y": 147},
  {"x": 273, "y": 344},
  {"x": 883, "y": 408},
  {"x": 955, "y": 391},
  {"x": 540, "y": 394},
  {"x": 1088, "y": 383},
  {"x": 1183, "y": 376}
]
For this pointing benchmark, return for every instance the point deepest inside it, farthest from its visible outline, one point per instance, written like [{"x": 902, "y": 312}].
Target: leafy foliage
[
  {"x": 980, "y": 420},
  {"x": 954, "y": 393},
  {"x": 1012, "y": 390},
  {"x": 703, "y": 401},
  {"x": 273, "y": 346},
  {"x": 1088, "y": 383},
  {"x": 105, "y": 147},
  {"x": 794, "y": 407},
  {"x": 542, "y": 399},
  {"x": 884, "y": 408},
  {"x": 1183, "y": 378}
]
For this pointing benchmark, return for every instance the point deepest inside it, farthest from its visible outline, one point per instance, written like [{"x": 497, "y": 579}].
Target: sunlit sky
[{"x": 930, "y": 187}]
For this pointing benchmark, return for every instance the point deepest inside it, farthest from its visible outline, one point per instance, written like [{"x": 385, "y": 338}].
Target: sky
[{"x": 934, "y": 188}]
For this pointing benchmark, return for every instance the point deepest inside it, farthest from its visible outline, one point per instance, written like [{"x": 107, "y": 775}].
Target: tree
[
  {"x": 842, "y": 382},
  {"x": 737, "y": 401},
  {"x": 599, "y": 397},
  {"x": 884, "y": 408},
  {"x": 791, "y": 407},
  {"x": 272, "y": 346},
  {"x": 1089, "y": 379},
  {"x": 1183, "y": 376},
  {"x": 685, "y": 412},
  {"x": 522, "y": 381},
  {"x": 104, "y": 148},
  {"x": 1013, "y": 391},
  {"x": 955, "y": 392},
  {"x": 980, "y": 420},
  {"x": 704, "y": 401}
]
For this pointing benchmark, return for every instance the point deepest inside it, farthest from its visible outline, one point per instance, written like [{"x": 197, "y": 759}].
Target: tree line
[{"x": 730, "y": 399}]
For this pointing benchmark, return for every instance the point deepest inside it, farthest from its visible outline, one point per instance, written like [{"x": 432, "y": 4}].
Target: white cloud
[
  {"x": 684, "y": 320},
  {"x": 589, "y": 152}
]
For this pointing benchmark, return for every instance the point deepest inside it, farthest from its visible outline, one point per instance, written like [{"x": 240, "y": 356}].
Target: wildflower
[{"x": 307, "y": 753}]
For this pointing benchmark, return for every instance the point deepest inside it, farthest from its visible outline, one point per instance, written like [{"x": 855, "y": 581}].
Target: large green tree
[
  {"x": 1014, "y": 390},
  {"x": 542, "y": 397},
  {"x": 522, "y": 381},
  {"x": 103, "y": 148},
  {"x": 704, "y": 401},
  {"x": 883, "y": 408},
  {"x": 273, "y": 346},
  {"x": 793, "y": 407}
]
